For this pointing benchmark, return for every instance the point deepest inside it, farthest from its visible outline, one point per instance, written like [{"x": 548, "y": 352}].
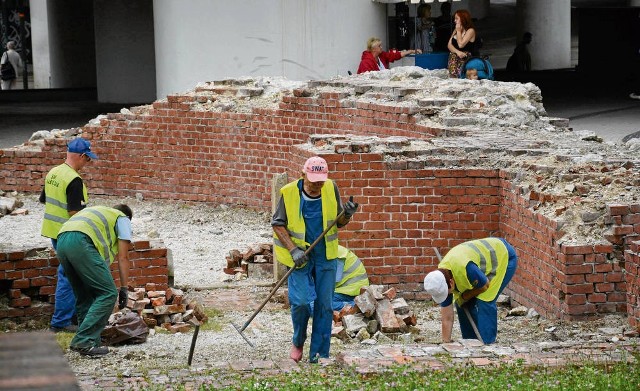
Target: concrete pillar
[
  {"x": 125, "y": 52},
  {"x": 40, "y": 44},
  {"x": 550, "y": 23}
]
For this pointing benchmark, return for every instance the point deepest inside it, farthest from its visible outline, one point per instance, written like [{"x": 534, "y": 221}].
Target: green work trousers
[{"x": 92, "y": 285}]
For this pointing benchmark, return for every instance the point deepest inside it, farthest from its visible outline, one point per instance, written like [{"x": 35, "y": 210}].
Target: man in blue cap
[{"x": 64, "y": 194}]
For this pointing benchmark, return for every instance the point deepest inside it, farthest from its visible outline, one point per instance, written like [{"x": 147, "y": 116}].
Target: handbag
[{"x": 6, "y": 69}]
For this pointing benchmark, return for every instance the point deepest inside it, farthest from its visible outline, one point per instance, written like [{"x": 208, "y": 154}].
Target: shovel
[
  {"x": 281, "y": 281},
  {"x": 466, "y": 311}
]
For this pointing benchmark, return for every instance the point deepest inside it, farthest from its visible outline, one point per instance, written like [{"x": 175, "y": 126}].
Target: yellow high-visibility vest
[
  {"x": 491, "y": 256},
  {"x": 354, "y": 275},
  {"x": 99, "y": 223},
  {"x": 55, "y": 189},
  {"x": 295, "y": 221}
]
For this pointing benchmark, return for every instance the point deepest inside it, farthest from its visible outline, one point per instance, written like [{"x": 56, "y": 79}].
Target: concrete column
[
  {"x": 550, "y": 23},
  {"x": 40, "y": 44},
  {"x": 125, "y": 52}
]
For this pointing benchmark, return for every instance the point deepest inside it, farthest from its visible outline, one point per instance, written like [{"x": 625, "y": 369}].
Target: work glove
[
  {"x": 123, "y": 294},
  {"x": 350, "y": 208},
  {"x": 299, "y": 257}
]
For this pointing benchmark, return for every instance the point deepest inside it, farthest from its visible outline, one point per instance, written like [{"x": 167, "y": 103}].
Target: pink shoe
[{"x": 296, "y": 353}]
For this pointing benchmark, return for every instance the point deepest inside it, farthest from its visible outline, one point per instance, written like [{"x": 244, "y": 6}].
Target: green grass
[
  {"x": 589, "y": 376},
  {"x": 215, "y": 320},
  {"x": 64, "y": 339}
]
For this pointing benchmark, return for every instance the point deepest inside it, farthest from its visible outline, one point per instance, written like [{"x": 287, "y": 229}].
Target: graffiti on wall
[{"x": 10, "y": 26}]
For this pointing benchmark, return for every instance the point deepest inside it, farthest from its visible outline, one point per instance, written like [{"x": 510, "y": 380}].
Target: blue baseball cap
[{"x": 81, "y": 146}]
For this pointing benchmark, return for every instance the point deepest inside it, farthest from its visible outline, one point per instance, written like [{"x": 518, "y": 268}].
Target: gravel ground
[{"x": 200, "y": 237}]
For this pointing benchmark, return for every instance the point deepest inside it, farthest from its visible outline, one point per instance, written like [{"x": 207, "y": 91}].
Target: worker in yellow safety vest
[
  {"x": 64, "y": 194},
  {"x": 472, "y": 275},
  {"x": 88, "y": 243},
  {"x": 307, "y": 207}
]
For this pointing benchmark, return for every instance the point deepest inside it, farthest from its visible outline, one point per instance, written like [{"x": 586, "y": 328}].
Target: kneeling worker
[
  {"x": 472, "y": 275},
  {"x": 350, "y": 277}
]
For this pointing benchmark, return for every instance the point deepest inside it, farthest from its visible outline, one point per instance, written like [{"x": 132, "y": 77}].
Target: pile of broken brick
[
  {"x": 255, "y": 261},
  {"x": 170, "y": 309},
  {"x": 378, "y": 314}
]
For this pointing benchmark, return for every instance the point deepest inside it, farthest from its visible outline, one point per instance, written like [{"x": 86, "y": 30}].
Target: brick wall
[
  {"x": 632, "y": 267},
  {"x": 28, "y": 277},
  {"x": 180, "y": 148}
]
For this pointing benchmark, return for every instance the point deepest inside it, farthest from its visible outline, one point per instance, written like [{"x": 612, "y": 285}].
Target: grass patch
[
  {"x": 589, "y": 376},
  {"x": 63, "y": 339},
  {"x": 215, "y": 320}
]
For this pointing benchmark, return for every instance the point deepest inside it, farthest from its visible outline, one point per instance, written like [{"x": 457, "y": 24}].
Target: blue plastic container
[{"x": 435, "y": 60}]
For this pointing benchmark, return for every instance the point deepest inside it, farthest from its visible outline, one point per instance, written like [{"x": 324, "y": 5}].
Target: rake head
[{"x": 239, "y": 330}]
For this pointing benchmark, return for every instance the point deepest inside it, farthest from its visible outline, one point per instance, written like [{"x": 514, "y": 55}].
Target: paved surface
[
  {"x": 376, "y": 359},
  {"x": 33, "y": 361}
]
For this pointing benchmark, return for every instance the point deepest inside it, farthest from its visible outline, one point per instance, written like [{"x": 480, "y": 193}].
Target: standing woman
[{"x": 462, "y": 43}]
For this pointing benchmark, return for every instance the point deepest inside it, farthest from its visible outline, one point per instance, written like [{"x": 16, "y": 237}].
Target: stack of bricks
[
  {"x": 167, "y": 308},
  {"x": 256, "y": 260},
  {"x": 375, "y": 310},
  {"x": 28, "y": 276}
]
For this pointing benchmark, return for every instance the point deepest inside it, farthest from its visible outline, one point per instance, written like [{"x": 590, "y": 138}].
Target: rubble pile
[
  {"x": 255, "y": 261},
  {"x": 9, "y": 204},
  {"x": 377, "y": 314},
  {"x": 170, "y": 308}
]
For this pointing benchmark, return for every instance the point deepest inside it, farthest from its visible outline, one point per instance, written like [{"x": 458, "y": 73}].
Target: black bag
[{"x": 6, "y": 69}]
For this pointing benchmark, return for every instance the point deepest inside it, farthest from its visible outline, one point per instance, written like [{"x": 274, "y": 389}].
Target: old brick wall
[
  {"x": 632, "y": 267},
  {"x": 28, "y": 277},
  {"x": 180, "y": 148}
]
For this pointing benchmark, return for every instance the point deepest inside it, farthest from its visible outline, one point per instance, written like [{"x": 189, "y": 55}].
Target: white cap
[{"x": 436, "y": 285}]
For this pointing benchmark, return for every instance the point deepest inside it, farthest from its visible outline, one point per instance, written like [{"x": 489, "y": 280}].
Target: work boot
[
  {"x": 93, "y": 352},
  {"x": 296, "y": 353}
]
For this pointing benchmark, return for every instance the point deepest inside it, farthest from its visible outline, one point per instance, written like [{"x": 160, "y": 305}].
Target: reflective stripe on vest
[
  {"x": 99, "y": 223},
  {"x": 489, "y": 254},
  {"x": 354, "y": 275},
  {"x": 55, "y": 189},
  {"x": 295, "y": 221}
]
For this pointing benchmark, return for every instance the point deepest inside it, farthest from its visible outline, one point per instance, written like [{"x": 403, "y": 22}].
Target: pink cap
[{"x": 316, "y": 169}]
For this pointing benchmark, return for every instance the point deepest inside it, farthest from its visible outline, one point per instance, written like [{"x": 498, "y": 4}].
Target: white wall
[
  {"x": 40, "y": 43},
  {"x": 125, "y": 57},
  {"x": 204, "y": 40}
]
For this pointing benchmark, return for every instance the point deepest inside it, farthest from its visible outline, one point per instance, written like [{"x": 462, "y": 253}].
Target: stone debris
[
  {"x": 376, "y": 312},
  {"x": 9, "y": 204},
  {"x": 170, "y": 308}
]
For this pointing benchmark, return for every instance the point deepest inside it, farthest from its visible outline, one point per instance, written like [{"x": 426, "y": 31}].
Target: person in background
[
  {"x": 462, "y": 43},
  {"x": 472, "y": 275},
  {"x": 472, "y": 74},
  {"x": 520, "y": 60},
  {"x": 350, "y": 277},
  {"x": 308, "y": 206},
  {"x": 65, "y": 194},
  {"x": 424, "y": 29},
  {"x": 444, "y": 28},
  {"x": 375, "y": 59},
  {"x": 88, "y": 243},
  {"x": 12, "y": 57}
]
